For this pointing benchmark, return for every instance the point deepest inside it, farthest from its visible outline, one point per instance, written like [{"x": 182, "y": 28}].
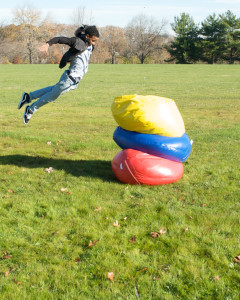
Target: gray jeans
[{"x": 51, "y": 93}]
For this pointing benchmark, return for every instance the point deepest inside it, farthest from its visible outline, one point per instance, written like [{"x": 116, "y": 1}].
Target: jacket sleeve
[{"x": 63, "y": 40}]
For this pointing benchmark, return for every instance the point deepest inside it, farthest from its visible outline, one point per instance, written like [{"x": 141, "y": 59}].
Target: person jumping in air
[{"x": 81, "y": 47}]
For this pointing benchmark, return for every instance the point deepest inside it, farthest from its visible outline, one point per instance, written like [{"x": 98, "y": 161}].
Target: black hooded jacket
[{"x": 77, "y": 46}]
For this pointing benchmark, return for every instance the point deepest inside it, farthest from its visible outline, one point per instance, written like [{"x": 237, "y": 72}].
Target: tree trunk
[
  {"x": 113, "y": 58},
  {"x": 231, "y": 60}
]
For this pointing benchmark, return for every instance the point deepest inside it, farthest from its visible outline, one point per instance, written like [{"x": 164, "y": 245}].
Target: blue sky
[{"x": 119, "y": 13}]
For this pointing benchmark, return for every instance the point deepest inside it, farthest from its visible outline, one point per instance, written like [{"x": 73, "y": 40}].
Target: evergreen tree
[
  {"x": 213, "y": 33},
  {"x": 184, "y": 48},
  {"x": 232, "y": 37}
]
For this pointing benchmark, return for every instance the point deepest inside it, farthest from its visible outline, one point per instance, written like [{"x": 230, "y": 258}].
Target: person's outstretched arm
[
  {"x": 58, "y": 40},
  {"x": 63, "y": 40}
]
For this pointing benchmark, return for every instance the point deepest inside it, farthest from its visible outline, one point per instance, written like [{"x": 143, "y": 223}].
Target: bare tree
[
  {"x": 28, "y": 18},
  {"x": 144, "y": 36},
  {"x": 26, "y": 14},
  {"x": 100, "y": 53},
  {"x": 114, "y": 39},
  {"x": 81, "y": 16},
  {"x": 31, "y": 30},
  {"x": 11, "y": 45}
]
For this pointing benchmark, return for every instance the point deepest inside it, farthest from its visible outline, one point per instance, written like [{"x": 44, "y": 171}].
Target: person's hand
[{"x": 44, "y": 48}]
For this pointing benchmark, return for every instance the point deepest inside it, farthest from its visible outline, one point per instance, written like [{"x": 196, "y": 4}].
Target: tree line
[
  {"x": 215, "y": 40},
  {"x": 143, "y": 40}
]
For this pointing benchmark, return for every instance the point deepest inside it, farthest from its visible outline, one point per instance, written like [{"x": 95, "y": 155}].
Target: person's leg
[
  {"x": 39, "y": 93},
  {"x": 51, "y": 93},
  {"x": 27, "y": 98}
]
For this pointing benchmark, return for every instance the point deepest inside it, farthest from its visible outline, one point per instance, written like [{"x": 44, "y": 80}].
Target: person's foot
[
  {"x": 27, "y": 115},
  {"x": 24, "y": 100}
]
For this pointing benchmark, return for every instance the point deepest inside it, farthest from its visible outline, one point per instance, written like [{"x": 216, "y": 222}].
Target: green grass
[{"x": 45, "y": 232}]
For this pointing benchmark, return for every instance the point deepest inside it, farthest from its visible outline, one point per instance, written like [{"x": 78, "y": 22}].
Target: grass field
[{"x": 57, "y": 238}]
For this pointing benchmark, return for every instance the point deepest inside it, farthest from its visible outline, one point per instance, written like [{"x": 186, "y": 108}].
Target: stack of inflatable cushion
[{"x": 152, "y": 135}]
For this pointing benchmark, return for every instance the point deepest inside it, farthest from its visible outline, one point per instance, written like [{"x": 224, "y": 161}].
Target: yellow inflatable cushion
[{"x": 148, "y": 114}]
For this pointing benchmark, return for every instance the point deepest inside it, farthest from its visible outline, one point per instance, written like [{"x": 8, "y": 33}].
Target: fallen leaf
[
  {"x": 3, "y": 180},
  {"x": 98, "y": 209},
  {"x": 17, "y": 282},
  {"x": 116, "y": 224},
  {"x": 77, "y": 260},
  {"x": 165, "y": 268},
  {"x": 142, "y": 270},
  {"x": 6, "y": 256},
  {"x": 64, "y": 189},
  {"x": 237, "y": 259},
  {"x": 6, "y": 273},
  {"x": 133, "y": 239},
  {"x": 11, "y": 191},
  {"x": 91, "y": 244},
  {"x": 162, "y": 230},
  {"x": 10, "y": 173},
  {"x": 204, "y": 204},
  {"x": 43, "y": 215},
  {"x": 155, "y": 234},
  {"x": 69, "y": 193},
  {"x": 216, "y": 278},
  {"x": 110, "y": 276},
  {"x": 49, "y": 170},
  {"x": 55, "y": 233}
]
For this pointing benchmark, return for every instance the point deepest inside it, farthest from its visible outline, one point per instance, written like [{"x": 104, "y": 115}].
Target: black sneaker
[
  {"x": 24, "y": 100},
  {"x": 27, "y": 115}
]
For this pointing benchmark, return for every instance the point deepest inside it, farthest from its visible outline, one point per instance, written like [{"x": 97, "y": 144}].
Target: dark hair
[
  {"x": 85, "y": 29},
  {"x": 92, "y": 31}
]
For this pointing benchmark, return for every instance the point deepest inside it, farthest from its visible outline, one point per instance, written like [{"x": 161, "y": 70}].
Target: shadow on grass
[{"x": 86, "y": 168}]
